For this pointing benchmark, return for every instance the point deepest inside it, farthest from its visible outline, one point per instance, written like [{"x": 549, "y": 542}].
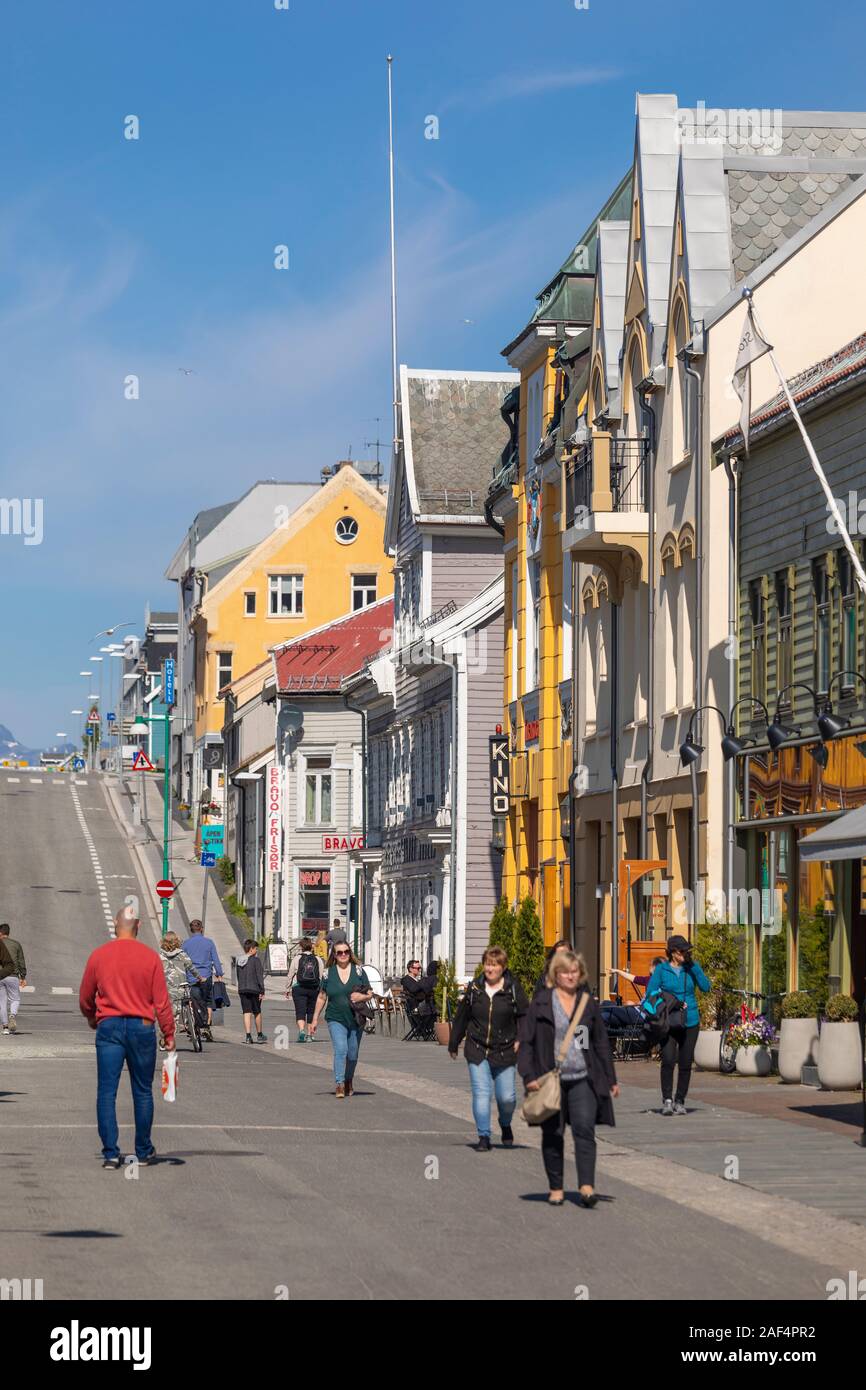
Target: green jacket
[{"x": 15, "y": 950}]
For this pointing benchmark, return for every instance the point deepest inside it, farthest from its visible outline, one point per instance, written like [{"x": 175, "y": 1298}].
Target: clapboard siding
[
  {"x": 783, "y": 521},
  {"x": 462, "y": 565},
  {"x": 408, "y": 535}
]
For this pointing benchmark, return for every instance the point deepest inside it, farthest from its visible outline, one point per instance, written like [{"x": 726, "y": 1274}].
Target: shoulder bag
[{"x": 542, "y": 1104}]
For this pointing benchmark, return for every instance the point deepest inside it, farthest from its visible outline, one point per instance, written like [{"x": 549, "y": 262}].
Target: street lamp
[
  {"x": 830, "y": 725},
  {"x": 731, "y": 745}
]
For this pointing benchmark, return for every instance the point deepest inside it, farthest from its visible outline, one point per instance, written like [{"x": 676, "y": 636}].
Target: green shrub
[
  {"x": 226, "y": 869},
  {"x": 813, "y": 951},
  {"x": 717, "y": 951},
  {"x": 445, "y": 992},
  {"x": 841, "y": 1008},
  {"x": 527, "y": 957},
  {"x": 237, "y": 909},
  {"x": 798, "y": 1005},
  {"x": 502, "y": 925}
]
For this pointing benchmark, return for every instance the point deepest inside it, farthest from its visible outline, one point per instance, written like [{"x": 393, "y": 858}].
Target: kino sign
[{"x": 499, "y": 801}]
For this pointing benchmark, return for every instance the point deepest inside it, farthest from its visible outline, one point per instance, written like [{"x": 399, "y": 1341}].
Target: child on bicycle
[{"x": 175, "y": 964}]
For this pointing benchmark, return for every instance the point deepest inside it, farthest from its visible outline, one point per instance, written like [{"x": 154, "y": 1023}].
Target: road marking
[
  {"x": 37, "y": 780},
  {"x": 94, "y": 859},
  {"x": 13, "y": 779},
  {"x": 80, "y": 782},
  {"x": 61, "y": 989},
  {"x": 28, "y": 989},
  {"x": 58, "y": 782}
]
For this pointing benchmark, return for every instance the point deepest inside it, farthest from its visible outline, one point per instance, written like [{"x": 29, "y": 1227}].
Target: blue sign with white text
[
  {"x": 169, "y": 682},
  {"x": 208, "y": 861}
]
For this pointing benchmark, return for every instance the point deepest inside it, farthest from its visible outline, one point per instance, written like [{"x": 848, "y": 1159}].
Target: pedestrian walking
[
  {"x": 123, "y": 992},
  {"x": 336, "y": 934},
  {"x": 13, "y": 978},
  {"x": 561, "y": 945},
  {"x": 343, "y": 985},
  {"x": 203, "y": 954},
  {"x": 176, "y": 966},
  {"x": 587, "y": 1077},
  {"x": 682, "y": 977},
  {"x": 488, "y": 1016},
  {"x": 251, "y": 989},
  {"x": 321, "y": 947},
  {"x": 302, "y": 986}
]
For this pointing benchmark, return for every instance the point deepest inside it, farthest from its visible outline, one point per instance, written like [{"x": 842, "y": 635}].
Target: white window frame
[
  {"x": 278, "y": 584},
  {"x": 304, "y": 771},
  {"x": 357, "y": 588},
  {"x": 219, "y": 667},
  {"x": 250, "y": 594}
]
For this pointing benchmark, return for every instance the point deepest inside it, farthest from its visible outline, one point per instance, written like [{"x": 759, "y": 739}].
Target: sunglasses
[{"x": 342, "y": 953}]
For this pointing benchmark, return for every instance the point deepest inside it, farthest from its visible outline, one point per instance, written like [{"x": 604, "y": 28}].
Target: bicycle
[
  {"x": 728, "y": 1053},
  {"x": 188, "y": 1020}
]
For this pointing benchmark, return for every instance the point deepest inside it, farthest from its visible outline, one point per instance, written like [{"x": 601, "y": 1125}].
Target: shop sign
[
  {"x": 274, "y": 817},
  {"x": 336, "y": 844},
  {"x": 499, "y": 788},
  {"x": 530, "y": 731},
  {"x": 315, "y": 878}
]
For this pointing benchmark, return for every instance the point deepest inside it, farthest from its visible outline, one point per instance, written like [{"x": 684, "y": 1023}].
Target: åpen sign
[{"x": 499, "y": 799}]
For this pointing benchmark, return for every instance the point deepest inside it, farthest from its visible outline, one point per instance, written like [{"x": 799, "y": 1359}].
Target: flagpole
[
  {"x": 394, "y": 394},
  {"x": 822, "y": 478}
]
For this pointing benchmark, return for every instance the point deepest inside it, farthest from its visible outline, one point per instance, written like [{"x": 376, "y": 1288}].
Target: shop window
[
  {"x": 814, "y": 922},
  {"x": 314, "y": 900}
]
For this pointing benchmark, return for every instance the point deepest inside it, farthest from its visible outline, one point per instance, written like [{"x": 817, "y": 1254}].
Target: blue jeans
[
  {"x": 128, "y": 1040},
  {"x": 487, "y": 1080},
  {"x": 346, "y": 1042}
]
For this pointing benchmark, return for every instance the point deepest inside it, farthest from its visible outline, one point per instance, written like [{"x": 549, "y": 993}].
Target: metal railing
[{"x": 621, "y": 485}]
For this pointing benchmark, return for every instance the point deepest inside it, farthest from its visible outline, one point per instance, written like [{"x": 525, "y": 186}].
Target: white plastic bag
[{"x": 170, "y": 1070}]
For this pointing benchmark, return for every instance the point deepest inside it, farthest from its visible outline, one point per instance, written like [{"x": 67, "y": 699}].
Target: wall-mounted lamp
[
  {"x": 497, "y": 838},
  {"x": 565, "y": 816}
]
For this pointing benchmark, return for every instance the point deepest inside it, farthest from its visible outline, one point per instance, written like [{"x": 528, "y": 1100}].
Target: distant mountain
[{"x": 15, "y": 752}]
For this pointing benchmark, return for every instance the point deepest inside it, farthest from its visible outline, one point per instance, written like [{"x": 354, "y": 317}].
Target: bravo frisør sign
[{"x": 274, "y": 818}]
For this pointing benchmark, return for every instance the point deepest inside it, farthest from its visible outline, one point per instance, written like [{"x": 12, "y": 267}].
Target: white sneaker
[
  {"x": 13, "y": 1026},
  {"x": 5, "y": 1031},
  {"x": 668, "y": 1107}
]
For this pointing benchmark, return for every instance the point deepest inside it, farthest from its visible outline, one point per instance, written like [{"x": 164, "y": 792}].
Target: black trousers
[
  {"x": 680, "y": 1046},
  {"x": 579, "y": 1109}
]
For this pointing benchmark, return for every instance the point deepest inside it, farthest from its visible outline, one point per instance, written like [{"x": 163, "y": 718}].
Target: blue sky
[{"x": 261, "y": 127}]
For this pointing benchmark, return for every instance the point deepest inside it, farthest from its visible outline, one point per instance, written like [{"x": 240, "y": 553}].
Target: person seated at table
[{"x": 415, "y": 988}]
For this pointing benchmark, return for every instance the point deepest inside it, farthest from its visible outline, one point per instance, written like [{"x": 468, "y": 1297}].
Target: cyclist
[{"x": 175, "y": 964}]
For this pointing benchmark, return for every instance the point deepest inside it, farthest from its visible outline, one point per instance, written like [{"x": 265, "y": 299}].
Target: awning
[{"x": 843, "y": 838}]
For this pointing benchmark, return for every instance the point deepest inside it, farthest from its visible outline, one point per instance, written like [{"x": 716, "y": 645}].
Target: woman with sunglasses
[{"x": 344, "y": 984}]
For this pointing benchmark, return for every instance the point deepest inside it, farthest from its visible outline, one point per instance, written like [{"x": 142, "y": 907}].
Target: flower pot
[
  {"x": 839, "y": 1060},
  {"x": 443, "y": 1032},
  {"x": 707, "y": 1049},
  {"x": 753, "y": 1061},
  {"x": 798, "y": 1048}
]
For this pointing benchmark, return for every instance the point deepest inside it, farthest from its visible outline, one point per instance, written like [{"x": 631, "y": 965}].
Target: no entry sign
[{"x": 165, "y": 888}]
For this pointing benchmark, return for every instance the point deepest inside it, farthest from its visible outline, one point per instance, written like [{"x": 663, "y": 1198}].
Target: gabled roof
[
  {"x": 317, "y": 662},
  {"x": 612, "y": 267},
  {"x": 347, "y": 478},
  {"x": 657, "y": 158},
  {"x": 452, "y": 426}
]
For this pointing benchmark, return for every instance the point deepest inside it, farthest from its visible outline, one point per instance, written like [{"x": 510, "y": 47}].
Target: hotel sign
[{"x": 499, "y": 788}]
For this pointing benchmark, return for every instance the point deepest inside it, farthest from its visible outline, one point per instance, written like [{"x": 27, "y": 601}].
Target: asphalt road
[{"x": 267, "y": 1185}]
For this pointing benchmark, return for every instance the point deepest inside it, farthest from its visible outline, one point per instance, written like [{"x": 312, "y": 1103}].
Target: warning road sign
[
  {"x": 141, "y": 763},
  {"x": 165, "y": 888},
  {"x": 93, "y": 716}
]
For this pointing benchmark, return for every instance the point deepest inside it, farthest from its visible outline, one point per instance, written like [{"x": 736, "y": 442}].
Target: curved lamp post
[{"x": 690, "y": 751}]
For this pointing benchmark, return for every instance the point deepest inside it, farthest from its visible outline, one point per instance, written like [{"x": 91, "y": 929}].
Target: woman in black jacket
[
  {"x": 487, "y": 1016},
  {"x": 587, "y": 1075}
]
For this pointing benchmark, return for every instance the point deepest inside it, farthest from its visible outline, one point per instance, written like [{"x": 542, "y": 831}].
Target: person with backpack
[
  {"x": 177, "y": 967},
  {"x": 344, "y": 990},
  {"x": 13, "y": 977},
  {"x": 251, "y": 989},
  {"x": 488, "y": 1016},
  {"x": 302, "y": 986},
  {"x": 564, "y": 1030},
  {"x": 671, "y": 999}
]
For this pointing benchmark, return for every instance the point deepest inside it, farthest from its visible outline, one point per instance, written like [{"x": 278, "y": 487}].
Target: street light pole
[{"x": 147, "y": 720}]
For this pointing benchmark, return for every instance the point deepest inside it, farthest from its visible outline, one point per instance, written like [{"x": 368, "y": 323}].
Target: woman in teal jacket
[{"x": 683, "y": 977}]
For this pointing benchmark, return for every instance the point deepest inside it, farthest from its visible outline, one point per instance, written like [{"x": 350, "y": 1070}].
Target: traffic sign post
[
  {"x": 111, "y": 716},
  {"x": 208, "y": 861},
  {"x": 165, "y": 881},
  {"x": 165, "y": 889},
  {"x": 141, "y": 762}
]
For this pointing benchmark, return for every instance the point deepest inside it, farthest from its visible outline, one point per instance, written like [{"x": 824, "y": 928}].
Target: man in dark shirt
[{"x": 415, "y": 988}]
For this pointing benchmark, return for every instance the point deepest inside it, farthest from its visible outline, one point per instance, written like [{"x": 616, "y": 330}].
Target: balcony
[{"x": 606, "y": 521}]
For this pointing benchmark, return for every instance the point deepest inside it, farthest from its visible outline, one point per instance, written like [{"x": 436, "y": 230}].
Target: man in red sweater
[{"x": 122, "y": 991}]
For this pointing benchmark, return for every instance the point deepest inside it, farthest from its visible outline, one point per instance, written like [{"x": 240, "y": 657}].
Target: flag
[{"x": 752, "y": 346}]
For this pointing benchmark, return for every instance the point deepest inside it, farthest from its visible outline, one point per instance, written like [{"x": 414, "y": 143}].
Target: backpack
[
  {"x": 662, "y": 1011},
  {"x": 308, "y": 971},
  {"x": 7, "y": 964}
]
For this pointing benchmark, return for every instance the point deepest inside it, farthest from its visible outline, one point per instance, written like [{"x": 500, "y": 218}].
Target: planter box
[
  {"x": 798, "y": 1048},
  {"x": 840, "y": 1066},
  {"x": 754, "y": 1061},
  {"x": 707, "y": 1049}
]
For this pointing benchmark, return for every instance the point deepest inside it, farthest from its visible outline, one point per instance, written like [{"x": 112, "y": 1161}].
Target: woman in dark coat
[{"x": 587, "y": 1075}]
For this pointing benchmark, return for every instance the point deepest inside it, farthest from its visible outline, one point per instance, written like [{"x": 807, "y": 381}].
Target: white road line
[
  {"x": 38, "y": 780},
  {"x": 61, "y": 989},
  {"x": 94, "y": 859},
  {"x": 28, "y": 989},
  {"x": 13, "y": 779},
  {"x": 58, "y": 783}
]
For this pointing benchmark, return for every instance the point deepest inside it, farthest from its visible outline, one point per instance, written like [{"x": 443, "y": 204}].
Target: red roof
[{"x": 319, "y": 661}]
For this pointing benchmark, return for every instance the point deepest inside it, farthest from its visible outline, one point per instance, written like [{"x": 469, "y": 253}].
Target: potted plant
[
  {"x": 445, "y": 999},
  {"x": 717, "y": 952},
  {"x": 798, "y": 1040},
  {"x": 840, "y": 1060},
  {"x": 751, "y": 1040}
]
